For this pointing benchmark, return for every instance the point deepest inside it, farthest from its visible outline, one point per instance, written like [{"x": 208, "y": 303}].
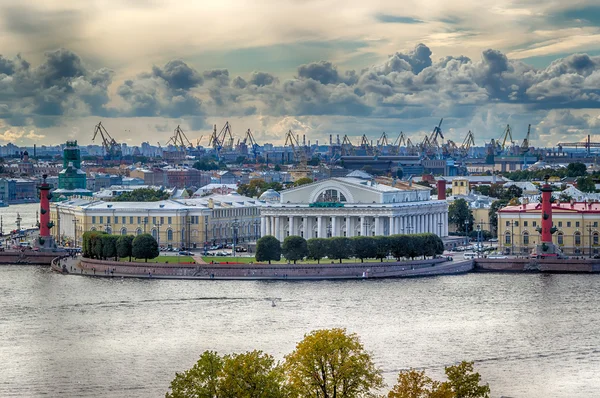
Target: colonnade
[{"x": 332, "y": 225}]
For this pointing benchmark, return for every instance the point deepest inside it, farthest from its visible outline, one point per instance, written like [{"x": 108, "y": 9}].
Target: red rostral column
[
  {"x": 44, "y": 188},
  {"x": 546, "y": 212}
]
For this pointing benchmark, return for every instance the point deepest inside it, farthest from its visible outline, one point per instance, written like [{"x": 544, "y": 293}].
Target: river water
[{"x": 530, "y": 335}]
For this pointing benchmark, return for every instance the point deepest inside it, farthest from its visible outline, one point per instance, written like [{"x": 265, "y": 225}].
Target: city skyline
[{"x": 146, "y": 67}]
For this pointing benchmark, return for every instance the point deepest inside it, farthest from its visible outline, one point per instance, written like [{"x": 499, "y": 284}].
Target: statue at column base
[
  {"x": 45, "y": 244},
  {"x": 547, "y": 250}
]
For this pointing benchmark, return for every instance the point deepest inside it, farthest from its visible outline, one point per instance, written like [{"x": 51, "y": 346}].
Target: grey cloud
[
  {"x": 239, "y": 83},
  {"x": 323, "y": 71},
  {"x": 178, "y": 75},
  {"x": 220, "y": 76},
  {"x": 262, "y": 79}
]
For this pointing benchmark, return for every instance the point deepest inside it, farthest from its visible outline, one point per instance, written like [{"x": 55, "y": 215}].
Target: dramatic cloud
[{"x": 408, "y": 91}]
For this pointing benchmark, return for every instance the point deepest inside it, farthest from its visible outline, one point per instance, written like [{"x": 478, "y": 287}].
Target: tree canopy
[
  {"x": 332, "y": 363},
  {"x": 125, "y": 246},
  {"x": 145, "y": 246},
  {"x": 256, "y": 187},
  {"x": 317, "y": 248},
  {"x": 142, "y": 195},
  {"x": 294, "y": 248},
  {"x": 268, "y": 249},
  {"x": 458, "y": 213}
]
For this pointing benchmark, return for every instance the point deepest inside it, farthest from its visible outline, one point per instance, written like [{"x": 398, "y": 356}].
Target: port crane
[
  {"x": 249, "y": 138},
  {"x": 112, "y": 149},
  {"x": 223, "y": 140},
  {"x": 587, "y": 144},
  {"x": 366, "y": 145},
  {"x": 179, "y": 140},
  {"x": 347, "y": 147},
  {"x": 291, "y": 141},
  {"x": 525, "y": 145}
]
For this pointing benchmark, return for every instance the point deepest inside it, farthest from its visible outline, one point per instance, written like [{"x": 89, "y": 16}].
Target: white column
[
  {"x": 305, "y": 233},
  {"x": 319, "y": 227},
  {"x": 378, "y": 226},
  {"x": 263, "y": 226},
  {"x": 349, "y": 226},
  {"x": 291, "y": 226},
  {"x": 392, "y": 226},
  {"x": 278, "y": 228},
  {"x": 334, "y": 226}
]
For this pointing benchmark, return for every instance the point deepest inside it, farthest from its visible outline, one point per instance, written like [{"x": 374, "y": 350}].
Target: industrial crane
[
  {"x": 179, "y": 140},
  {"x": 112, "y": 148},
  {"x": 299, "y": 153},
  {"x": 468, "y": 142},
  {"x": 199, "y": 140},
  {"x": 366, "y": 145},
  {"x": 525, "y": 145},
  {"x": 253, "y": 145},
  {"x": 507, "y": 134},
  {"x": 435, "y": 134},
  {"x": 347, "y": 147},
  {"x": 222, "y": 140}
]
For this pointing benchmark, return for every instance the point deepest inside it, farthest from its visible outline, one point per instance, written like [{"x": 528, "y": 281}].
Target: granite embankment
[
  {"x": 428, "y": 267},
  {"x": 551, "y": 265},
  {"x": 28, "y": 257}
]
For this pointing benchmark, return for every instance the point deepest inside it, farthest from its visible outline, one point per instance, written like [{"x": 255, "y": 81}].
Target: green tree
[
  {"x": 145, "y": 246},
  {"x": 125, "y": 246},
  {"x": 201, "y": 381},
  {"x": 496, "y": 205},
  {"x": 512, "y": 192},
  {"x": 268, "y": 249},
  {"x": 142, "y": 195},
  {"x": 96, "y": 243},
  {"x": 432, "y": 245},
  {"x": 416, "y": 384},
  {"x": 332, "y": 363},
  {"x": 206, "y": 165},
  {"x": 91, "y": 244},
  {"x": 382, "y": 247},
  {"x": 252, "y": 375},
  {"x": 576, "y": 170},
  {"x": 464, "y": 383},
  {"x": 317, "y": 248},
  {"x": 565, "y": 198},
  {"x": 458, "y": 213},
  {"x": 109, "y": 246},
  {"x": 294, "y": 248},
  {"x": 364, "y": 247},
  {"x": 586, "y": 184},
  {"x": 400, "y": 246},
  {"x": 302, "y": 181},
  {"x": 339, "y": 248},
  {"x": 482, "y": 189}
]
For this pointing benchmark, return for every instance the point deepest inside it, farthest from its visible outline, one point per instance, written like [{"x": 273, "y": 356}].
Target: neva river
[{"x": 530, "y": 335}]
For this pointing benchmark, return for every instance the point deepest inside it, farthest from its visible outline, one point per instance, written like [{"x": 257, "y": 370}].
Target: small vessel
[{"x": 3, "y": 204}]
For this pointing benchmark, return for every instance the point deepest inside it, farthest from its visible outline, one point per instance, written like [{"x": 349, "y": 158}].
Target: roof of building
[
  {"x": 270, "y": 195},
  {"x": 576, "y": 207}
]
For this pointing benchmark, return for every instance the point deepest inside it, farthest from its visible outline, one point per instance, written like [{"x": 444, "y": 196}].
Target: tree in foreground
[
  {"x": 294, "y": 248},
  {"x": 462, "y": 383},
  {"x": 125, "y": 246},
  {"x": 268, "y": 249},
  {"x": 145, "y": 246},
  {"x": 201, "y": 381},
  {"x": 252, "y": 374},
  {"x": 109, "y": 246},
  {"x": 331, "y": 363},
  {"x": 340, "y": 248},
  {"x": 317, "y": 248},
  {"x": 364, "y": 247}
]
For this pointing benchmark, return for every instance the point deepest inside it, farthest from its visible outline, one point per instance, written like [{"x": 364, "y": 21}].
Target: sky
[{"x": 317, "y": 67}]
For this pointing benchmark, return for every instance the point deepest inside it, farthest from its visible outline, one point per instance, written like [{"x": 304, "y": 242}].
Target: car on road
[
  {"x": 493, "y": 240},
  {"x": 185, "y": 253}
]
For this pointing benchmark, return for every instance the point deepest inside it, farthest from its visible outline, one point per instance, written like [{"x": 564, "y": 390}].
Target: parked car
[
  {"x": 240, "y": 249},
  {"x": 494, "y": 240},
  {"x": 185, "y": 253}
]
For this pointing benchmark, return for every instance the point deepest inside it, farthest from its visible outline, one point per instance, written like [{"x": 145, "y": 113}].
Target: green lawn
[
  {"x": 164, "y": 259},
  {"x": 246, "y": 260}
]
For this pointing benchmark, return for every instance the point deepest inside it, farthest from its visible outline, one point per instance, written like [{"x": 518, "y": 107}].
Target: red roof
[{"x": 578, "y": 207}]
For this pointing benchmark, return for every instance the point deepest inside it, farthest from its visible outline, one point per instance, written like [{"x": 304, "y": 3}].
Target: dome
[
  {"x": 270, "y": 195},
  {"x": 25, "y": 153}
]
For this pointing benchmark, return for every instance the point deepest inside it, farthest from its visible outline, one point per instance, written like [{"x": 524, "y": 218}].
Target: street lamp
[
  {"x": 75, "y": 233},
  {"x": 157, "y": 226},
  {"x": 440, "y": 224},
  {"x": 478, "y": 240},
  {"x": 106, "y": 227},
  {"x": 234, "y": 225},
  {"x": 590, "y": 237}
]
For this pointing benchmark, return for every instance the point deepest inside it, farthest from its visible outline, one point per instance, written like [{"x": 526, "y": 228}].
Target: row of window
[
  {"x": 140, "y": 220},
  {"x": 560, "y": 224},
  {"x": 560, "y": 238},
  {"x": 225, "y": 213}
]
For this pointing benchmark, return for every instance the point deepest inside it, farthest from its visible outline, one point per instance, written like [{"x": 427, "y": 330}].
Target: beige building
[
  {"x": 190, "y": 223},
  {"x": 577, "y": 227}
]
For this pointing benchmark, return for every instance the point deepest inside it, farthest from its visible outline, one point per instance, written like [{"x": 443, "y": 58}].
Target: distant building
[
  {"x": 71, "y": 180},
  {"x": 577, "y": 225}
]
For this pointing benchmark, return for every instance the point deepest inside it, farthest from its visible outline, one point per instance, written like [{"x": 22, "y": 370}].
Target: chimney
[
  {"x": 330, "y": 139},
  {"x": 441, "y": 187},
  {"x": 304, "y": 140},
  {"x": 338, "y": 139}
]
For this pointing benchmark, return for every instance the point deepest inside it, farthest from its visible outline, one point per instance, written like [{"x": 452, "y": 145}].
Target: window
[
  {"x": 560, "y": 238},
  {"x": 525, "y": 238},
  {"x": 577, "y": 238},
  {"x": 162, "y": 220},
  {"x": 130, "y": 220},
  {"x": 101, "y": 219},
  {"x": 524, "y": 223},
  {"x": 576, "y": 224},
  {"x": 595, "y": 238},
  {"x": 560, "y": 224},
  {"x": 595, "y": 224},
  {"x": 123, "y": 220},
  {"x": 568, "y": 224},
  {"x": 138, "y": 231},
  {"x": 462, "y": 184},
  {"x": 153, "y": 220},
  {"x": 169, "y": 220},
  {"x": 535, "y": 223},
  {"x": 516, "y": 223},
  {"x": 508, "y": 223},
  {"x": 123, "y": 231},
  {"x": 108, "y": 219},
  {"x": 331, "y": 195},
  {"x": 154, "y": 233},
  {"x": 93, "y": 219},
  {"x": 507, "y": 238},
  {"x": 169, "y": 235},
  {"x": 139, "y": 220}
]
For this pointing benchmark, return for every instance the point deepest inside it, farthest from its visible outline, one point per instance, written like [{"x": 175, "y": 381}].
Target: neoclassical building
[{"x": 348, "y": 206}]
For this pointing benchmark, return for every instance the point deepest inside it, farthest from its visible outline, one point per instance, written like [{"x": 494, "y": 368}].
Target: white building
[{"x": 348, "y": 206}]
